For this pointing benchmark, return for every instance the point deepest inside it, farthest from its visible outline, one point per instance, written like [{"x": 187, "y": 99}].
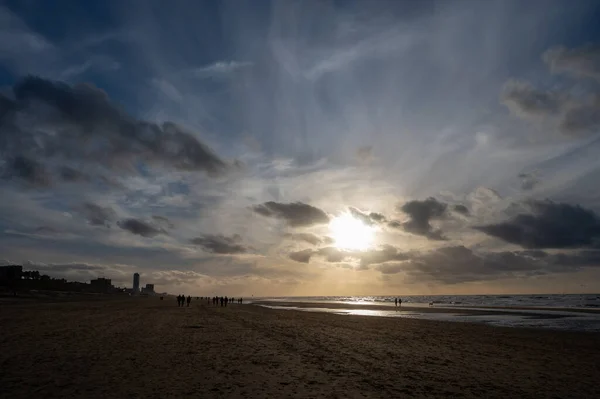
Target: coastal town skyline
[{"x": 304, "y": 148}]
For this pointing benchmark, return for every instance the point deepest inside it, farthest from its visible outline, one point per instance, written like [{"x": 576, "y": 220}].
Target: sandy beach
[{"x": 153, "y": 349}]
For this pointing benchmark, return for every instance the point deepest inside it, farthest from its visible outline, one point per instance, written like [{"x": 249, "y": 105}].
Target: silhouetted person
[
  {"x": 189, "y": 299},
  {"x": 400, "y": 302},
  {"x": 241, "y": 301},
  {"x": 178, "y": 300},
  {"x": 222, "y": 301},
  {"x": 396, "y": 302}
]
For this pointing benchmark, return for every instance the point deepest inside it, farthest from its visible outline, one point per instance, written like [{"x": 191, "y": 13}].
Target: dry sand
[{"x": 152, "y": 349}]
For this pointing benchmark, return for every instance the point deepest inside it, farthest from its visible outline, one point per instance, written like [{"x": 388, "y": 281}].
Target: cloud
[
  {"x": 367, "y": 218},
  {"x": 163, "y": 221},
  {"x": 463, "y": 210},
  {"x": 72, "y": 175},
  {"x": 46, "y": 231},
  {"x": 421, "y": 213},
  {"x": 527, "y": 102},
  {"x": 549, "y": 225},
  {"x": 56, "y": 267},
  {"x": 365, "y": 154},
  {"x": 571, "y": 115},
  {"x": 27, "y": 169},
  {"x": 528, "y": 181},
  {"x": 309, "y": 238},
  {"x": 581, "y": 118},
  {"x": 97, "y": 215},
  {"x": 391, "y": 268},
  {"x": 458, "y": 264},
  {"x": 139, "y": 227},
  {"x": 296, "y": 214},
  {"x": 386, "y": 253},
  {"x": 581, "y": 62},
  {"x": 53, "y": 120},
  {"x": 16, "y": 39},
  {"x": 301, "y": 256},
  {"x": 220, "y": 244},
  {"x": 221, "y": 68}
]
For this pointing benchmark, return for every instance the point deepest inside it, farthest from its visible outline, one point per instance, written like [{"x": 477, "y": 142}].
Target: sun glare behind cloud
[{"x": 350, "y": 233}]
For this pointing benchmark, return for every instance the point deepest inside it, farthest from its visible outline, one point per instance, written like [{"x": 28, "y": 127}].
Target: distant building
[
  {"x": 10, "y": 273},
  {"x": 148, "y": 289},
  {"x": 136, "y": 283},
  {"x": 101, "y": 284}
]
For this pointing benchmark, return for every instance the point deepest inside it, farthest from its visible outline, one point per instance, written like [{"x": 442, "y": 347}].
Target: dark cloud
[
  {"x": 46, "y": 231},
  {"x": 525, "y": 101},
  {"x": 27, "y": 169},
  {"x": 307, "y": 237},
  {"x": 51, "y": 119},
  {"x": 421, "y": 213},
  {"x": 367, "y": 218},
  {"x": 301, "y": 256},
  {"x": 57, "y": 267},
  {"x": 582, "y": 61},
  {"x": 549, "y": 225},
  {"x": 81, "y": 271},
  {"x": 394, "y": 224},
  {"x": 463, "y": 210},
  {"x": 386, "y": 253},
  {"x": 139, "y": 227},
  {"x": 72, "y": 175},
  {"x": 220, "y": 244},
  {"x": 571, "y": 115},
  {"x": 528, "y": 181},
  {"x": 456, "y": 264},
  {"x": 581, "y": 119},
  {"x": 163, "y": 221},
  {"x": 296, "y": 214},
  {"x": 453, "y": 265},
  {"x": 98, "y": 215},
  {"x": 390, "y": 268}
]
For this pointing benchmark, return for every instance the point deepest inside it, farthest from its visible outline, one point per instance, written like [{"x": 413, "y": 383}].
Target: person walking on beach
[
  {"x": 189, "y": 299},
  {"x": 178, "y": 300},
  {"x": 400, "y": 302},
  {"x": 396, "y": 302}
]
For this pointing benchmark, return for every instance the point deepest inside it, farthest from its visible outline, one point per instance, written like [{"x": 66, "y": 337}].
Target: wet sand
[
  {"x": 470, "y": 310},
  {"x": 152, "y": 349}
]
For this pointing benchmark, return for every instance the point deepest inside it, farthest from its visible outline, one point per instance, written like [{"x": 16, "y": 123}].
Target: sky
[{"x": 287, "y": 148}]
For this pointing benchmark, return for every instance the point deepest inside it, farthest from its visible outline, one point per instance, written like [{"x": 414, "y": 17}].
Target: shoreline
[
  {"x": 531, "y": 318},
  {"x": 432, "y": 309}
]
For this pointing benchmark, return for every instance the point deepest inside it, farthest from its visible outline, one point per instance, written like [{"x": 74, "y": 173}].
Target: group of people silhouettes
[
  {"x": 181, "y": 299},
  {"x": 223, "y": 301},
  {"x": 216, "y": 300},
  {"x": 398, "y": 302}
]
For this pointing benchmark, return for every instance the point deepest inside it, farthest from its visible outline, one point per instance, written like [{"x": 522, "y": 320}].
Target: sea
[{"x": 571, "y": 312}]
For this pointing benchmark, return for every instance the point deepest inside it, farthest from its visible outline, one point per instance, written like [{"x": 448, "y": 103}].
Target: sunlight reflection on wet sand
[{"x": 533, "y": 319}]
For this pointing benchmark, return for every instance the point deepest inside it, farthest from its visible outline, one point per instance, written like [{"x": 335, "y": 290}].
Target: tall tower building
[{"x": 136, "y": 283}]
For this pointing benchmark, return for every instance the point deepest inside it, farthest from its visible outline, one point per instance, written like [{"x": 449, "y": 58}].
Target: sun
[{"x": 350, "y": 233}]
